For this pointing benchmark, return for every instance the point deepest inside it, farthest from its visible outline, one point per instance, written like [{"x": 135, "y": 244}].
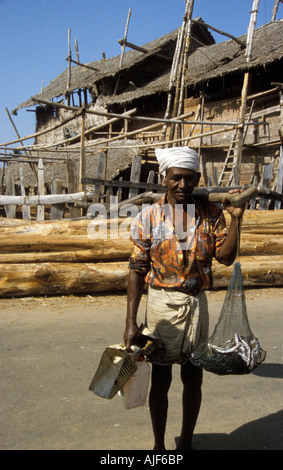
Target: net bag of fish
[{"x": 232, "y": 348}]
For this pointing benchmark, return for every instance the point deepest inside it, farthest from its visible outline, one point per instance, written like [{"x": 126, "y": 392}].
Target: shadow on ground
[{"x": 262, "y": 434}]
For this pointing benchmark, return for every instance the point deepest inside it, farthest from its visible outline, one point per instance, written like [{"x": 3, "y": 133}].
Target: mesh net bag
[{"x": 232, "y": 348}]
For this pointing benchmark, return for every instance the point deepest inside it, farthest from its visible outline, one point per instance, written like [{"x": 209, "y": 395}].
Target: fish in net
[{"x": 232, "y": 348}]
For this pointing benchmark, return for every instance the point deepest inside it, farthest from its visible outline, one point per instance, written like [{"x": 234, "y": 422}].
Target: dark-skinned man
[{"x": 175, "y": 241}]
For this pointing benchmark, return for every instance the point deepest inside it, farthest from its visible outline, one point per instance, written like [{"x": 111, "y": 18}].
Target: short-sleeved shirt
[{"x": 164, "y": 259}]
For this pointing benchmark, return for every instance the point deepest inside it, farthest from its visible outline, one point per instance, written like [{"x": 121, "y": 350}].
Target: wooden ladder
[{"x": 227, "y": 172}]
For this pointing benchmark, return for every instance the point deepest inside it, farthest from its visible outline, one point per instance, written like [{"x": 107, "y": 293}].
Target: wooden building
[
  {"x": 84, "y": 107},
  {"x": 100, "y": 120}
]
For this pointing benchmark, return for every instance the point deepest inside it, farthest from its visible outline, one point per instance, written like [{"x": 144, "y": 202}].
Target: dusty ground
[{"x": 50, "y": 349}]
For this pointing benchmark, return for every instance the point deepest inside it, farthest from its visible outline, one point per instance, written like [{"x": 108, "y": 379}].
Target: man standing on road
[{"x": 175, "y": 241}]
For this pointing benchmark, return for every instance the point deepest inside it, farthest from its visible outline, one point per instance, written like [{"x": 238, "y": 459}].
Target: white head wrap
[{"x": 180, "y": 157}]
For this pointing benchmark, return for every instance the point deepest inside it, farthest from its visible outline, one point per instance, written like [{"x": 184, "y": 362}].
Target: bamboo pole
[
  {"x": 94, "y": 128},
  {"x": 251, "y": 29},
  {"x": 69, "y": 66},
  {"x": 125, "y": 38},
  {"x": 179, "y": 99},
  {"x": 175, "y": 67},
  {"x": 20, "y": 140},
  {"x": 134, "y": 118},
  {"x": 102, "y": 144},
  {"x": 136, "y": 131},
  {"x": 123, "y": 50},
  {"x": 46, "y": 199},
  {"x": 82, "y": 65},
  {"x": 40, "y": 207},
  {"x": 82, "y": 186},
  {"x": 238, "y": 41},
  {"x": 25, "y": 209},
  {"x": 241, "y": 130},
  {"x": 44, "y": 131},
  {"x": 274, "y": 11}
]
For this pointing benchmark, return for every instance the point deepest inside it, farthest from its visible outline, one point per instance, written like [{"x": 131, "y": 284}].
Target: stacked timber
[
  {"x": 65, "y": 257},
  {"x": 261, "y": 251}
]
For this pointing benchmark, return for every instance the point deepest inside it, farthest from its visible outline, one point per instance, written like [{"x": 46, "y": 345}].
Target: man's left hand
[{"x": 235, "y": 212}]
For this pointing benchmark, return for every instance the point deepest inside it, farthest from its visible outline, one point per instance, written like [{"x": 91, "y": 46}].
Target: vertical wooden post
[
  {"x": 125, "y": 38},
  {"x": 99, "y": 174},
  {"x": 77, "y": 50},
  {"x": 3, "y": 175},
  {"x": 251, "y": 29},
  {"x": 123, "y": 50},
  {"x": 40, "y": 178},
  {"x": 10, "y": 190},
  {"x": 274, "y": 11},
  {"x": 119, "y": 192},
  {"x": 175, "y": 68},
  {"x": 202, "y": 119},
  {"x": 278, "y": 204},
  {"x": 25, "y": 209},
  {"x": 73, "y": 184},
  {"x": 21, "y": 142},
  {"x": 180, "y": 104},
  {"x": 126, "y": 122},
  {"x": 250, "y": 37},
  {"x": 69, "y": 67},
  {"x": 240, "y": 138},
  {"x": 135, "y": 174},
  {"x": 265, "y": 184},
  {"x": 57, "y": 210},
  {"x": 253, "y": 201},
  {"x": 82, "y": 152}
]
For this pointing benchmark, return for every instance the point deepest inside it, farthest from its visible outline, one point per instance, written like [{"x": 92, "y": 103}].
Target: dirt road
[{"x": 50, "y": 349}]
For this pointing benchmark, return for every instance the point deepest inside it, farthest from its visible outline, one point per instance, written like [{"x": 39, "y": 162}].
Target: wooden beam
[
  {"x": 82, "y": 65},
  {"x": 112, "y": 115},
  {"x": 251, "y": 29},
  {"x": 82, "y": 155},
  {"x": 142, "y": 49},
  {"x": 28, "y": 279},
  {"x": 125, "y": 38},
  {"x": 25, "y": 209},
  {"x": 46, "y": 199},
  {"x": 241, "y": 43},
  {"x": 92, "y": 129},
  {"x": 69, "y": 62},
  {"x": 44, "y": 131},
  {"x": 40, "y": 207}
]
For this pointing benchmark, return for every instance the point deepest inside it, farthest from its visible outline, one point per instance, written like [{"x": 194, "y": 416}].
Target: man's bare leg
[
  {"x": 192, "y": 381},
  {"x": 158, "y": 402}
]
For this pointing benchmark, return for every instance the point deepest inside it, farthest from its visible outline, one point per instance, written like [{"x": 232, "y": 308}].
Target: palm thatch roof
[
  {"x": 82, "y": 77},
  {"x": 204, "y": 63},
  {"x": 216, "y": 60},
  {"x": 228, "y": 57}
]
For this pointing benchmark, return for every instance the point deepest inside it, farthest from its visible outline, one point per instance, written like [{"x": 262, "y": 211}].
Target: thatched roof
[
  {"x": 205, "y": 63},
  {"x": 82, "y": 77},
  {"x": 228, "y": 57},
  {"x": 209, "y": 62}
]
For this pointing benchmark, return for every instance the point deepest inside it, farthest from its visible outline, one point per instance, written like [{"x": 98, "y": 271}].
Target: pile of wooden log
[{"x": 63, "y": 257}]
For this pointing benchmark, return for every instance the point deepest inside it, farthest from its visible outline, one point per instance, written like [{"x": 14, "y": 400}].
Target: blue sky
[{"x": 34, "y": 38}]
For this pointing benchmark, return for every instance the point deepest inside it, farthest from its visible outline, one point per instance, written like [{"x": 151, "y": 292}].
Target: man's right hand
[
  {"x": 130, "y": 335},
  {"x": 135, "y": 290}
]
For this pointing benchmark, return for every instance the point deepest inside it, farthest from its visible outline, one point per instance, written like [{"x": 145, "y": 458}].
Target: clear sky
[{"x": 34, "y": 38}]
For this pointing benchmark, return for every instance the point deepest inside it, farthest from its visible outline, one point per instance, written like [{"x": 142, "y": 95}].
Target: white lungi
[{"x": 179, "y": 321}]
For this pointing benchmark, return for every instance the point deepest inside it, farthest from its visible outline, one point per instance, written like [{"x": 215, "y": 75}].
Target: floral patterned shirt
[{"x": 163, "y": 257}]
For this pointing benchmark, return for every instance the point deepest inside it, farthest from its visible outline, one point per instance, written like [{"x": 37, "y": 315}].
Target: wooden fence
[{"x": 58, "y": 205}]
